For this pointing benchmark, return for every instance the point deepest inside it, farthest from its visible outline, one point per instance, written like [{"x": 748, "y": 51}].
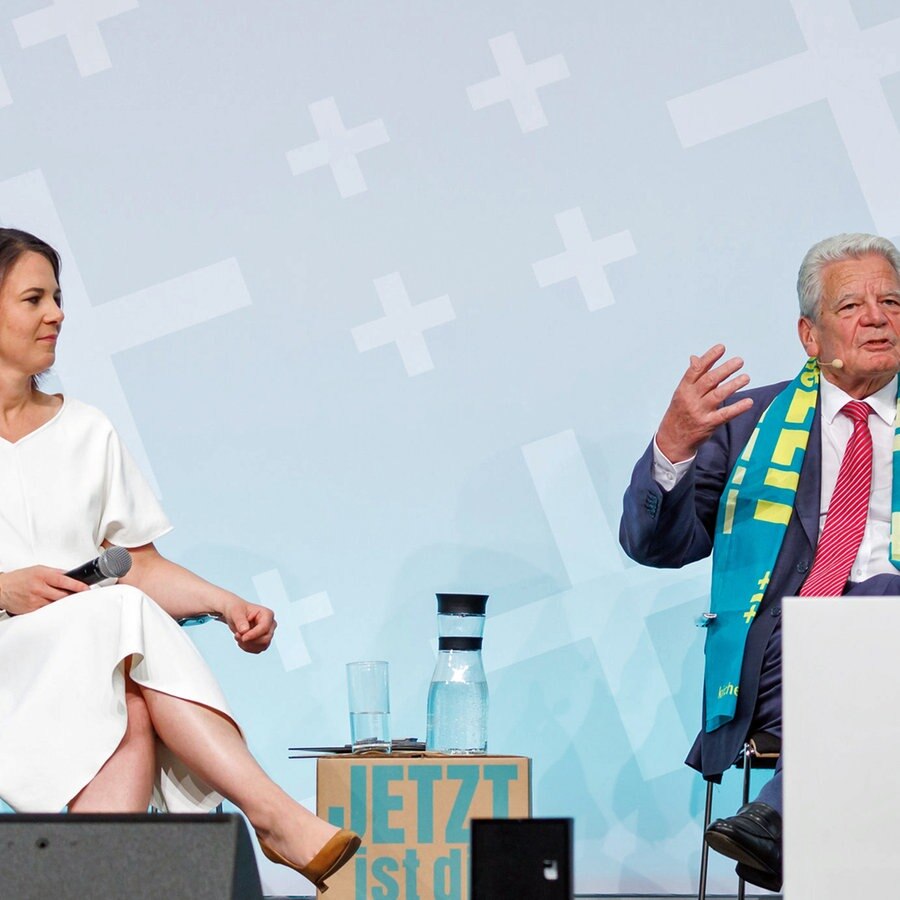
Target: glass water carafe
[{"x": 458, "y": 696}]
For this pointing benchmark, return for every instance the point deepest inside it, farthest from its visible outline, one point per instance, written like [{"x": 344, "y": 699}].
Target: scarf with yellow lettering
[{"x": 754, "y": 511}]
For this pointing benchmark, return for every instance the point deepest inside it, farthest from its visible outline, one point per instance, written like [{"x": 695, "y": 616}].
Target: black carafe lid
[{"x": 461, "y": 604}]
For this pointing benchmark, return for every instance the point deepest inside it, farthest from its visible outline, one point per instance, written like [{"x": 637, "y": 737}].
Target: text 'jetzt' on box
[{"x": 413, "y": 814}]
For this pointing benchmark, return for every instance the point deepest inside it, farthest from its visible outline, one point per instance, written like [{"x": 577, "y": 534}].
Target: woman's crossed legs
[{"x": 209, "y": 743}]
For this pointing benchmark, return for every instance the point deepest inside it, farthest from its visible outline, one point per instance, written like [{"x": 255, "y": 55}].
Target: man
[{"x": 798, "y": 501}]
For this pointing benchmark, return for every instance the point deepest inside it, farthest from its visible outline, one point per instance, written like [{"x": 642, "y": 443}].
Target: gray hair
[{"x": 810, "y": 289}]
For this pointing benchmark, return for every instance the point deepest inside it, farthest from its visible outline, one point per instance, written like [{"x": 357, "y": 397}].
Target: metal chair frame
[{"x": 749, "y": 758}]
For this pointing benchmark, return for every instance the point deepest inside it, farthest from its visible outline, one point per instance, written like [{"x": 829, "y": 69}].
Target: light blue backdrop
[{"x": 387, "y": 297}]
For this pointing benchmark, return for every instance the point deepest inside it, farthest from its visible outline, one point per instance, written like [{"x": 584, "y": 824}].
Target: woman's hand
[
  {"x": 252, "y": 625},
  {"x": 25, "y": 590},
  {"x": 181, "y": 594}
]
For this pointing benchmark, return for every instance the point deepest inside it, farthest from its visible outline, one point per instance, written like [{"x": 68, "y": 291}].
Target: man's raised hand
[{"x": 696, "y": 410}]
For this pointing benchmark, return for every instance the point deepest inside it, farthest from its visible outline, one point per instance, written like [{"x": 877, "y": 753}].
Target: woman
[{"x": 104, "y": 703}]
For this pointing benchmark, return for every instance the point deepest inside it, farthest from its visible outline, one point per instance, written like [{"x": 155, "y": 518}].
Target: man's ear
[{"x": 806, "y": 328}]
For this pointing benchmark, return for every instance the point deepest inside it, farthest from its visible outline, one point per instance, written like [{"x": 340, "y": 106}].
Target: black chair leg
[
  {"x": 747, "y": 761},
  {"x": 704, "y": 849},
  {"x": 746, "y": 795}
]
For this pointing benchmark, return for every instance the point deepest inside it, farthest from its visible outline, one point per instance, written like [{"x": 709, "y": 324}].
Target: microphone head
[
  {"x": 837, "y": 364},
  {"x": 114, "y": 562}
]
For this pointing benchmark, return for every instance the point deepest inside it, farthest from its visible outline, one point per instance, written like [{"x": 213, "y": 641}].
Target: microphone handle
[{"x": 88, "y": 573}]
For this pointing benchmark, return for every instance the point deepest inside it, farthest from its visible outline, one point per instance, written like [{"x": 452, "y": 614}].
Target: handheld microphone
[
  {"x": 834, "y": 364},
  {"x": 111, "y": 563}
]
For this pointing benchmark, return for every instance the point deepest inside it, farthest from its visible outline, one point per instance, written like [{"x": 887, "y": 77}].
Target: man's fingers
[
  {"x": 727, "y": 388},
  {"x": 704, "y": 377},
  {"x": 695, "y": 410},
  {"x": 712, "y": 379},
  {"x": 700, "y": 365},
  {"x": 713, "y": 388},
  {"x": 733, "y": 410}
]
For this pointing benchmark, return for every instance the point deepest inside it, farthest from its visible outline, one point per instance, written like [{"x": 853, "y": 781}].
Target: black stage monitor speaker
[
  {"x": 163, "y": 857},
  {"x": 529, "y": 859}
]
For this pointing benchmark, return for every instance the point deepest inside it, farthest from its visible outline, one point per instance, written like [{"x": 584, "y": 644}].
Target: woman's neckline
[{"x": 40, "y": 427}]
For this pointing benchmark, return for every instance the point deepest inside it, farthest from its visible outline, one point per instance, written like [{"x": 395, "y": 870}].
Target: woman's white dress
[{"x": 65, "y": 489}]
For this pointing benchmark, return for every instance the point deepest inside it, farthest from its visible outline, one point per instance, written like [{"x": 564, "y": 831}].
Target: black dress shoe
[
  {"x": 759, "y": 878},
  {"x": 753, "y": 838}
]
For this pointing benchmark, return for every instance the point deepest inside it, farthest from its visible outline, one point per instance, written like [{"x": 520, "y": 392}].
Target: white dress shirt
[{"x": 872, "y": 558}]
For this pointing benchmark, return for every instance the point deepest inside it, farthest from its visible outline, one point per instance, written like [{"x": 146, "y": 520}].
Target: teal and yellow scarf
[{"x": 754, "y": 512}]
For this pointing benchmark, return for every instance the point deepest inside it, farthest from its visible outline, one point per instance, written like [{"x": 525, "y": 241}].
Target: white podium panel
[{"x": 841, "y": 684}]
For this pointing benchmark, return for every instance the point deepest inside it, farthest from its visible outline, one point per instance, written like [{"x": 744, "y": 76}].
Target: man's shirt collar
[{"x": 883, "y": 402}]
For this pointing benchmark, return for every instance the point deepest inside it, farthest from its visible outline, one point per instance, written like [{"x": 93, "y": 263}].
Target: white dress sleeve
[{"x": 131, "y": 515}]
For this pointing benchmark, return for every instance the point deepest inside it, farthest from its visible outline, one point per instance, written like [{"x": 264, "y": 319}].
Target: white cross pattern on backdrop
[
  {"x": 93, "y": 334},
  {"x": 337, "y": 147},
  {"x": 607, "y": 603},
  {"x": 77, "y": 21},
  {"x": 291, "y": 617},
  {"x": 843, "y": 65},
  {"x": 584, "y": 258},
  {"x": 518, "y": 82},
  {"x": 403, "y": 324}
]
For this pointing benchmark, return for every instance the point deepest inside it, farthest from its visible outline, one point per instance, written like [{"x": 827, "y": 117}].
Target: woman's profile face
[{"x": 30, "y": 315}]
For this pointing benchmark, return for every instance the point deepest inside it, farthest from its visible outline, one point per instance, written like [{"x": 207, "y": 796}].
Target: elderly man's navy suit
[{"x": 672, "y": 529}]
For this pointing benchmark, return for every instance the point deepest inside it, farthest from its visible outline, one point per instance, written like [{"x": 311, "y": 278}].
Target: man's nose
[{"x": 873, "y": 314}]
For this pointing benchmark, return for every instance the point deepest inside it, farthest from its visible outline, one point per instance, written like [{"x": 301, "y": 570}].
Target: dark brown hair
[{"x": 15, "y": 243}]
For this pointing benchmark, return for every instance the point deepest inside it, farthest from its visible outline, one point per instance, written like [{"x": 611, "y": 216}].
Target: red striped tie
[{"x": 845, "y": 522}]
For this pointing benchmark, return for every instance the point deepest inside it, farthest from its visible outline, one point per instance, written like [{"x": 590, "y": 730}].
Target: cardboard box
[{"x": 413, "y": 813}]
